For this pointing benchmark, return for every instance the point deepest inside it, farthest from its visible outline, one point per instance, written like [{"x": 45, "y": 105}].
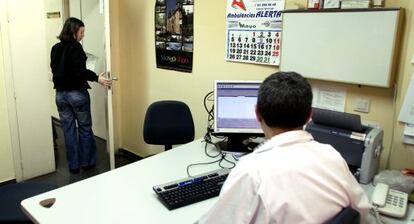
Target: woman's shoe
[
  {"x": 88, "y": 167},
  {"x": 74, "y": 171}
]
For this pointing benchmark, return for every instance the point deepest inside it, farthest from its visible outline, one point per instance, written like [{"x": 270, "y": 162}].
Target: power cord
[
  {"x": 206, "y": 150},
  {"x": 198, "y": 164},
  {"x": 233, "y": 164},
  {"x": 210, "y": 123},
  {"x": 219, "y": 161},
  {"x": 209, "y": 140},
  {"x": 378, "y": 219},
  {"x": 210, "y": 112}
]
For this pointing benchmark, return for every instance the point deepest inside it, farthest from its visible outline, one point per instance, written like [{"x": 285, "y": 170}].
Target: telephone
[{"x": 389, "y": 201}]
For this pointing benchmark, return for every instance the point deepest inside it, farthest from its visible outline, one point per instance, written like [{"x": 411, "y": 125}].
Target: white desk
[{"x": 125, "y": 195}]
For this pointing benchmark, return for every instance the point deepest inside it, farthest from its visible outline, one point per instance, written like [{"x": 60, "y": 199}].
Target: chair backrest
[
  {"x": 168, "y": 123},
  {"x": 346, "y": 216}
]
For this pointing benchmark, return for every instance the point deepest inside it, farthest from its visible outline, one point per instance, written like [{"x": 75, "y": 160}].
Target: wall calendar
[{"x": 254, "y": 31}]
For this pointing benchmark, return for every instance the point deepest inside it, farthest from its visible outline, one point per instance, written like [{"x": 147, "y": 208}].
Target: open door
[{"x": 96, "y": 43}]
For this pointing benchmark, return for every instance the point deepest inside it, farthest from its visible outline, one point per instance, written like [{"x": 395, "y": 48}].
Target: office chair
[
  {"x": 168, "y": 123},
  {"x": 12, "y": 194},
  {"x": 346, "y": 216}
]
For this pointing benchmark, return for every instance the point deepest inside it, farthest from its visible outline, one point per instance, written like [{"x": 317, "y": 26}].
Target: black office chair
[
  {"x": 168, "y": 123},
  {"x": 346, "y": 216},
  {"x": 12, "y": 194}
]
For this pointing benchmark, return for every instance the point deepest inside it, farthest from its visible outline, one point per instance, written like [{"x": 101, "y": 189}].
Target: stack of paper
[
  {"x": 408, "y": 137},
  {"x": 353, "y": 4},
  {"x": 407, "y": 113}
]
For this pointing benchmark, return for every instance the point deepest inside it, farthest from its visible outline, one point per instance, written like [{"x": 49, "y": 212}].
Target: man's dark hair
[
  {"x": 70, "y": 28},
  {"x": 285, "y": 100}
]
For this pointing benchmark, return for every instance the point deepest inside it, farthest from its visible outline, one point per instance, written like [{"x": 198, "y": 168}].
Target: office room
[{"x": 140, "y": 83}]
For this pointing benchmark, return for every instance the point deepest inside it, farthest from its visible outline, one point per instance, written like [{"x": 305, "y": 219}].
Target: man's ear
[
  {"x": 259, "y": 117},
  {"x": 310, "y": 116}
]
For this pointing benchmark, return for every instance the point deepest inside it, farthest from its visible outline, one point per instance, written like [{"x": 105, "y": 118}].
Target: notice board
[{"x": 350, "y": 46}]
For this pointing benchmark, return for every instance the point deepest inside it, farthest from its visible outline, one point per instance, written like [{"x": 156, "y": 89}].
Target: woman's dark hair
[
  {"x": 70, "y": 28},
  {"x": 285, "y": 100}
]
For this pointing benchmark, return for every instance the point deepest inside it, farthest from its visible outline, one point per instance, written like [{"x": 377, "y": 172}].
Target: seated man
[{"x": 290, "y": 178}]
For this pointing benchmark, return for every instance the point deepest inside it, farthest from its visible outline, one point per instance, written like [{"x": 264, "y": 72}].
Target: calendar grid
[{"x": 260, "y": 46}]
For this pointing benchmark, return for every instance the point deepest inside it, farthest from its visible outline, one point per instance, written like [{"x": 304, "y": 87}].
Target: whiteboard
[{"x": 343, "y": 46}]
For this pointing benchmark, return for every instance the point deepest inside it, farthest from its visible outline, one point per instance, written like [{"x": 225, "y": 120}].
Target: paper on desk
[
  {"x": 91, "y": 61},
  {"x": 408, "y": 139},
  {"x": 327, "y": 97},
  {"x": 407, "y": 109},
  {"x": 409, "y": 130}
]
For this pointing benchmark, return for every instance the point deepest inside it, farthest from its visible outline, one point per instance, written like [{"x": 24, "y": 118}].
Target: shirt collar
[{"x": 283, "y": 139}]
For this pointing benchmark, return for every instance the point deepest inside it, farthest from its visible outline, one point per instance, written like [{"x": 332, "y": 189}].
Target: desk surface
[{"x": 125, "y": 195}]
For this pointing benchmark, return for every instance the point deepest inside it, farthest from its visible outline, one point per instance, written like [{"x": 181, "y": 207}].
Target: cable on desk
[
  {"x": 224, "y": 159},
  {"x": 206, "y": 152},
  {"x": 220, "y": 161},
  {"x": 197, "y": 164}
]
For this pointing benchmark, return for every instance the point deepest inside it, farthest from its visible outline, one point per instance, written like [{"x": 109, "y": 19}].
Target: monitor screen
[{"x": 234, "y": 106}]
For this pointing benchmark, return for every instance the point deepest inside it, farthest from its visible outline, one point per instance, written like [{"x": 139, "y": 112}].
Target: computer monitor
[{"x": 234, "y": 113}]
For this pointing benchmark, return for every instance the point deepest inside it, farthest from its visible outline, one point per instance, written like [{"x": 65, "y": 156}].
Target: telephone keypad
[{"x": 395, "y": 204}]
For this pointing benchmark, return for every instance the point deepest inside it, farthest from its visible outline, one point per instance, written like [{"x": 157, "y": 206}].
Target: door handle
[{"x": 112, "y": 78}]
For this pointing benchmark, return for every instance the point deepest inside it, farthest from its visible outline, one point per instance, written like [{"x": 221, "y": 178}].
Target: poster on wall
[
  {"x": 253, "y": 32},
  {"x": 174, "y": 34}
]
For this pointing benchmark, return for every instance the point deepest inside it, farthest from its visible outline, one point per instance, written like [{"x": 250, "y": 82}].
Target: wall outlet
[{"x": 362, "y": 105}]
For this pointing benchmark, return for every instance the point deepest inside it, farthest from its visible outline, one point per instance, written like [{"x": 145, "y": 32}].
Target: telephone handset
[{"x": 389, "y": 202}]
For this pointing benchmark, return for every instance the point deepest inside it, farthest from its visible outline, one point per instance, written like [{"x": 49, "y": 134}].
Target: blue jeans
[{"x": 74, "y": 107}]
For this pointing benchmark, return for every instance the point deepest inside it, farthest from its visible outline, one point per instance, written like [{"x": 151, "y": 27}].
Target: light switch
[{"x": 362, "y": 105}]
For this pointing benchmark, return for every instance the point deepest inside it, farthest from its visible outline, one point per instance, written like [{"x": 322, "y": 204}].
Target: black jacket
[{"x": 68, "y": 63}]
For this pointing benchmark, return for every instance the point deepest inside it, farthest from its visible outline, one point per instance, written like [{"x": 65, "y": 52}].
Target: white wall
[{"x": 141, "y": 83}]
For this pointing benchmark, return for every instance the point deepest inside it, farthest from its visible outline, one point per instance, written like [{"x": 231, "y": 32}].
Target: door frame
[{"x": 108, "y": 66}]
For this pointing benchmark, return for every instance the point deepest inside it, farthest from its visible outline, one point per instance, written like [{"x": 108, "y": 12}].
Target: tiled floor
[{"x": 62, "y": 176}]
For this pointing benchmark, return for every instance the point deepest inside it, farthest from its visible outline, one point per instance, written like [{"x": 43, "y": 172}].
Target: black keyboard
[{"x": 190, "y": 190}]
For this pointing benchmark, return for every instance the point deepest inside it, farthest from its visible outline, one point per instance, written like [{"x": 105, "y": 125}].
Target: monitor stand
[{"x": 236, "y": 143}]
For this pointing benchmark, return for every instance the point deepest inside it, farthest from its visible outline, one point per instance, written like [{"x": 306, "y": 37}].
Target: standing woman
[{"x": 70, "y": 78}]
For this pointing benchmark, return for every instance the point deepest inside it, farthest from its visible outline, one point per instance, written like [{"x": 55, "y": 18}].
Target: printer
[{"x": 360, "y": 145}]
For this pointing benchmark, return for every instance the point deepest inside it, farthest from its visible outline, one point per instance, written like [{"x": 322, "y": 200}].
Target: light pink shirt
[{"x": 289, "y": 179}]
